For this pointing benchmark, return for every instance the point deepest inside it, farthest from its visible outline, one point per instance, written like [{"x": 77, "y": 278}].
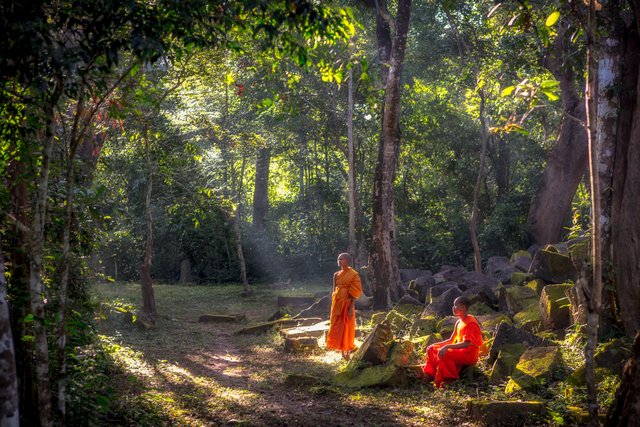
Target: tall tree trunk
[
  {"x": 9, "y": 410},
  {"x": 36, "y": 286},
  {"x": 625, "y": 409},
  {"x": 351, "y": 161},
  {"x": 595, "y": 291},
  {"x": 383, "y": 261},
  {"x": 567, "y": 162},
  {"x": 473, "y": 223},
  {"x": 626, "y": 185},
  {"x": 146, "y": 282},
  {"x": 261, "y": 190}
]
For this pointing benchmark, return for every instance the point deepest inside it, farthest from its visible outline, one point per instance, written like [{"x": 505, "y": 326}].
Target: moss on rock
[{"x": 537, "y": 367}]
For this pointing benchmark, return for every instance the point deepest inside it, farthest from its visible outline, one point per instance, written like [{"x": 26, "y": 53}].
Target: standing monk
[
  {"x": 446, "y": 358},
  {"x": 346, "y": 289}
]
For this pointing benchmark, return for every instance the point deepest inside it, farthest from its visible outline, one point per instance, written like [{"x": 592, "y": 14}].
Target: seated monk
[
  {"x": 445, "y": 359},
  {"x": 342, "y": 324}
]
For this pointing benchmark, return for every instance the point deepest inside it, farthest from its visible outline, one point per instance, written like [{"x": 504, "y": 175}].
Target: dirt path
[{"x": 201, "y": 374}]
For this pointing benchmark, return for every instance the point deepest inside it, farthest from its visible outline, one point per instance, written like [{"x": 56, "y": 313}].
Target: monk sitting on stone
[{"x": 445, "y": 359}]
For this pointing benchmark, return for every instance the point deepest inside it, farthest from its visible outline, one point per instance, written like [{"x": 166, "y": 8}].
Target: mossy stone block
[
  {"x": 503, "y": 366},
  {"x": 536, "y": 367},
  {"x": 537, "y": 285},
  {"x": 519, "y": 277},
  {"x": 423, "y": 326},
  {"x": 555, "y": 307},
  {"x": 529, "y": 319}
]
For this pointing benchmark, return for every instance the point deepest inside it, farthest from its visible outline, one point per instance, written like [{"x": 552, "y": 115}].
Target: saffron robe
[
  {"x": 448, "y": 367},
  {"x": 342, "y": 328}
]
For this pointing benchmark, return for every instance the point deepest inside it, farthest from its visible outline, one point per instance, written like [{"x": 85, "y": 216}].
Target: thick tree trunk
[
  {"x": 146, "y": 282},
  {"x": 383, "y": 259},
  {"x": 9, "y": 409},
  {"x": 261, "y": 190},
  {"x": 625, "y": 409},
  {"x": 567, "y": 161},
  {"x": 626, "y": 186}
]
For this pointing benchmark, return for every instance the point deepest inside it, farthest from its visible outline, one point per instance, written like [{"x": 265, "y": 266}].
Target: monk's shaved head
[
  {"x": 462, "y": 301},
  {"x": 345, "y": 255}
]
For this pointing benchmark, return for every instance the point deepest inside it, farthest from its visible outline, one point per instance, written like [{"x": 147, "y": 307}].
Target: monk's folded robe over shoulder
[
  {"x": 342, "y": 327},
  {"x": 448, "y": 367}
]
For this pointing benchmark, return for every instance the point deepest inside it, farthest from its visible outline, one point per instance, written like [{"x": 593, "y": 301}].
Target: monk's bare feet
[{"x": 346, "y": 355}]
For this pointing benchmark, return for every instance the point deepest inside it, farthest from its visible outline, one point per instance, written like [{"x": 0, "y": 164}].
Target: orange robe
[
  {"x": 342, "y": 328},
  {"x": 448, "y": 368}
]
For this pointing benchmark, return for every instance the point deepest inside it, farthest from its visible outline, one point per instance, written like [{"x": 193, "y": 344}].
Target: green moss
[
  {"x": 423, "y": 326},
  {"x": 367, "y": 377},
  {"x": 536, "y": 367},
  {"x": 520, "y": 254},
  {"x": 529, "y": 319},
  {"x": 518, "y": 277},
  {"x": 480, "y": 308},
  {"x": 536, "y": 285}
]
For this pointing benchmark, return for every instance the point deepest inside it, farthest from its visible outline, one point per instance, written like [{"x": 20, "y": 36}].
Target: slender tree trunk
[
  {"x": 66, "y": 260},
  {"x": 9, "y": 410},
  {"x": 568, "y": 160},
  {"x": 473, "y": 223},
  {"x": 236, "y": 226},
  {"x": 146, "y": 282},
  {"x": 351, "y": 160},
  {"x": 595, "y": 293},
  {"x": 383, "y": 259},
  {"x": 261, "y": 190},
  {"x": 36, "y": 286}
]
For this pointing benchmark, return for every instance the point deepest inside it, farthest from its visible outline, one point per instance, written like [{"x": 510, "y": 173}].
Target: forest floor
[{"x": 187, "y": 373}]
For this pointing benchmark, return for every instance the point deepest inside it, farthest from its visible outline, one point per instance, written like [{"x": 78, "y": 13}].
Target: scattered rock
[
  {"x": 319, "y": 308},
  {"x": 554, "y": 306},
  {"x": 508, "y": 334},
  {"x": 475, "y": 279},
  {"x": 437, "y": 290},
  {"x": 375, "y": 347},
  {"x": 392, "y": 373},
  {"x": 499, "y": 268},
  {"x": 520, "y": 277},
  {"x": 402, "y": 317},
  {"x": 537, "y": 366},
  {"x": 447, "y": 325},
  {"x": 222, "y": 318},
  {"x": 551, "y": 266},
  {"x": 407, "y": 299},
  {"x": 521, "y": 260},
  {"x": 496, "y": 413},
  {"x": 490, "y": 322},
  {"x": 504, "y": 365},
  {"x": 516, "y": 298},
  {"x": 423, "y": 326},
  {"x": 536, "y": 285},
  {"x": 529, "y": 319},
  {"x": 407, "y": 275},
  {"x": 449, "y": 274},
  {"x": 301, "y": 344},
  {"x": 441, "y": 306},
  {"x": 280, "y": 313},
  {"x": 316, "y": 330},
  {"x": 480, "y": 308}
]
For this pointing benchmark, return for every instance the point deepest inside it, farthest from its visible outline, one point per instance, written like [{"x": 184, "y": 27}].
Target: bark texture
[
  {"x": 567, "y": 162},
  {"x": 9, "y": 405},
  {"x": 261, "y": 190},
  {"x": 625, "y": 409},
  {"x": 383, "y": 260}
]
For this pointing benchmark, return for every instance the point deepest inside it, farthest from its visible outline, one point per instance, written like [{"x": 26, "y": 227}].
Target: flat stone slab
[
  {"x": 495, "y": 413},
  {"x": 301, "y": 344},
  {"x": 222, "y": 318},
  {"x": 315, "y": 330},
  {"x": 537, "y": 366}
]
